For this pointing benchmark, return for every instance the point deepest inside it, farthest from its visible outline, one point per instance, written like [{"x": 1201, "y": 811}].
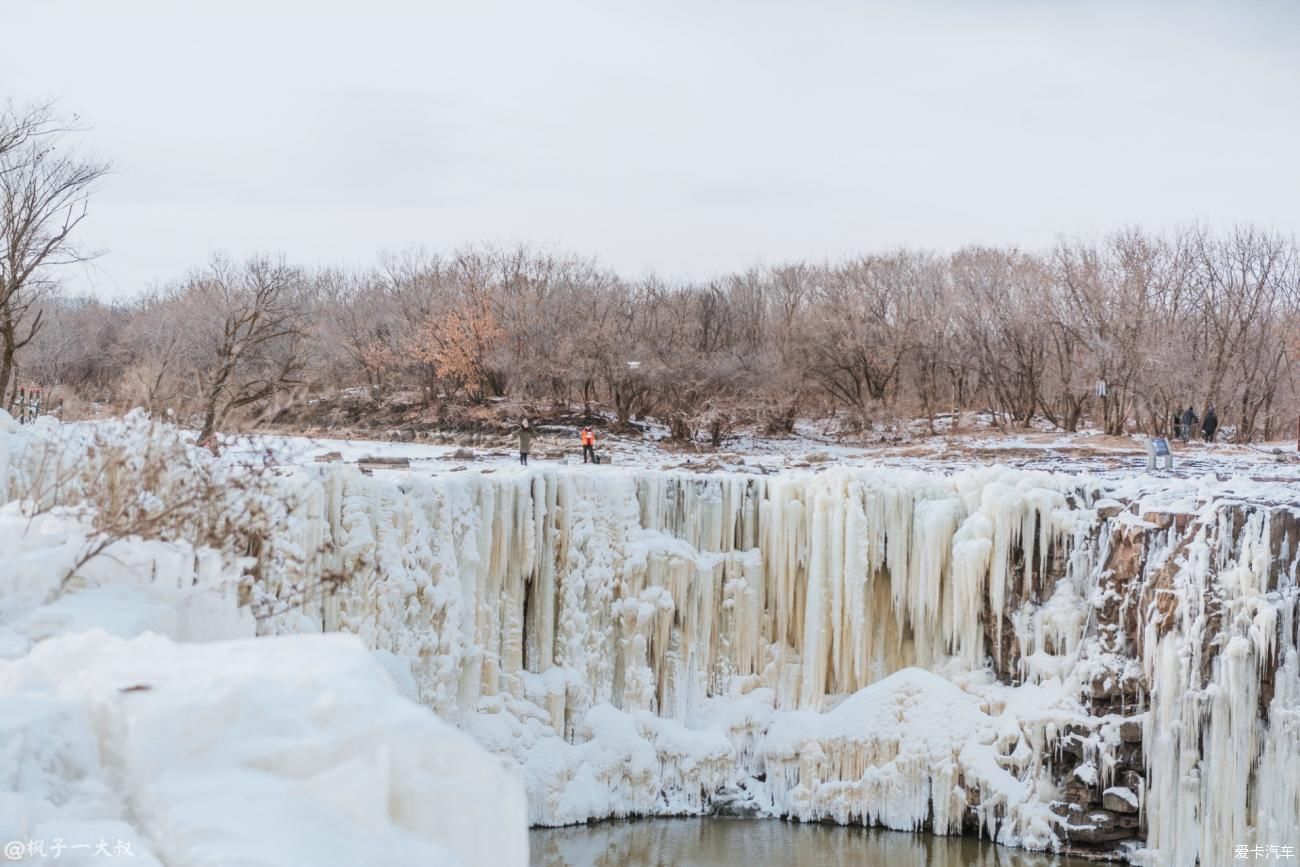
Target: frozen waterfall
[{"x": 1052, "y": 661}]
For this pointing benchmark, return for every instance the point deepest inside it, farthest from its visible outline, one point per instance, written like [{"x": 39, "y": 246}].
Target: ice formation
[
  {"x": 980, "y": 651},
  {"x": 1049, "y": 660}
]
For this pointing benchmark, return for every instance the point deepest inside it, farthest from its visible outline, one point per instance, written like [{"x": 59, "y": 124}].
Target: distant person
[
  {"x": 1177, "y": 429},
  {"x": 1189, "y": 422},
  {"x": 1210, "y": 425},
  {"x": 588, "y": 445},
  {"x": 525, "y": 434}
]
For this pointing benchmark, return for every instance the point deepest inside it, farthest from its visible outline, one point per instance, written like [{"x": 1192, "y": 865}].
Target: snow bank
[
  {"x": 266, "y": 751},
  {"x": 48, "y": 587}
]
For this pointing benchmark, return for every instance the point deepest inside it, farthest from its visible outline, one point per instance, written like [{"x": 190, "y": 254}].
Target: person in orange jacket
[{"x": 588, "y": 445}]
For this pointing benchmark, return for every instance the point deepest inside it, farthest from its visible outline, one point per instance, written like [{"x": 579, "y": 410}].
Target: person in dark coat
[
  {"x": 1177, "y": 430},
  {"x": 1210, "y": 424},
  {"x": 525, "y": 434},
  {"x": 1189, "y": 422}
]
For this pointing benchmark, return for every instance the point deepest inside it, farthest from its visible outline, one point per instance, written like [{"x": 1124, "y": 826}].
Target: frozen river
[{"x": 715, "y": 842}]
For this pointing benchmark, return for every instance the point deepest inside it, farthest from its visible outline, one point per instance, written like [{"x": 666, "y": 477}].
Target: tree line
[
  {"x": 1119, "y": 331},
  {"x": 1196, "y": 318}
]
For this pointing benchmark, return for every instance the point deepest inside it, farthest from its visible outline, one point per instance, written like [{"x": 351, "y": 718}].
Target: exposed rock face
[
  {"x": 1100, "y": 829},
  {"x": 1123, "y": 663}
]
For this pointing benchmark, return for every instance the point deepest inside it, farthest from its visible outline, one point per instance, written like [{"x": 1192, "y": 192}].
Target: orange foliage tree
[{"x": 458, "y": 346}]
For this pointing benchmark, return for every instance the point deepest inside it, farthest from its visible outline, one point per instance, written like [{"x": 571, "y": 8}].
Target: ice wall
[{"x": 1034, "y": 657}]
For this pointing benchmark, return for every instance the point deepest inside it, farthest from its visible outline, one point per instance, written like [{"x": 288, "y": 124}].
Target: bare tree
[
  {"x": 621, "y": 341},
  {"x": 156, "y": 376},
  {"x": 1109, "y": 300},
  {"x": 357, "y": 327},
  {"x": 244, "y": 335},
  {"x": 45, "y": 190},
  {"x": 80, "y": 343},
  {"x": 861, "y": 329},
  {"x": 785, "y": 292},
  {"x": 1248, "y": 280}
]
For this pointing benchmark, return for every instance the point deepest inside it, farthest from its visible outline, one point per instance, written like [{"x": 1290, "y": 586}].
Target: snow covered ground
[
  {"x": 1090, "y": 452},
  {"x": 1052, "y": 659}
]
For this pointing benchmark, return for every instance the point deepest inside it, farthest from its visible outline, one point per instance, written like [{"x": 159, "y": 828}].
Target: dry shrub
[{"x": 138, "y": 478}]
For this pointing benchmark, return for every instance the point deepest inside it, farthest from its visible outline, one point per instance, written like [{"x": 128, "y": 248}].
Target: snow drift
[{"x": 268, "y": 751}]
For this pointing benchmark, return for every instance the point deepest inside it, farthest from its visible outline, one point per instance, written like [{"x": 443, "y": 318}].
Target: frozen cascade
[
  {"x": 1212, "y": 650},
  {"x": 999, "y": 651},
  {"x": 704, "y": 586},
  {"x": 1054, "y": 661}
]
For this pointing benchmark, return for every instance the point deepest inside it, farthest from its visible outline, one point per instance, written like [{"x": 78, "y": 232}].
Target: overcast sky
[{"x": 690, "y": 138}]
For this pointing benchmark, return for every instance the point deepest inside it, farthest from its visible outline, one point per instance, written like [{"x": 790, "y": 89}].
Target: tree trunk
[
  {"x": 8, "y": 350},
  {"x": 209, "y": 421},
  {"x": 6, "y": 371}
]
